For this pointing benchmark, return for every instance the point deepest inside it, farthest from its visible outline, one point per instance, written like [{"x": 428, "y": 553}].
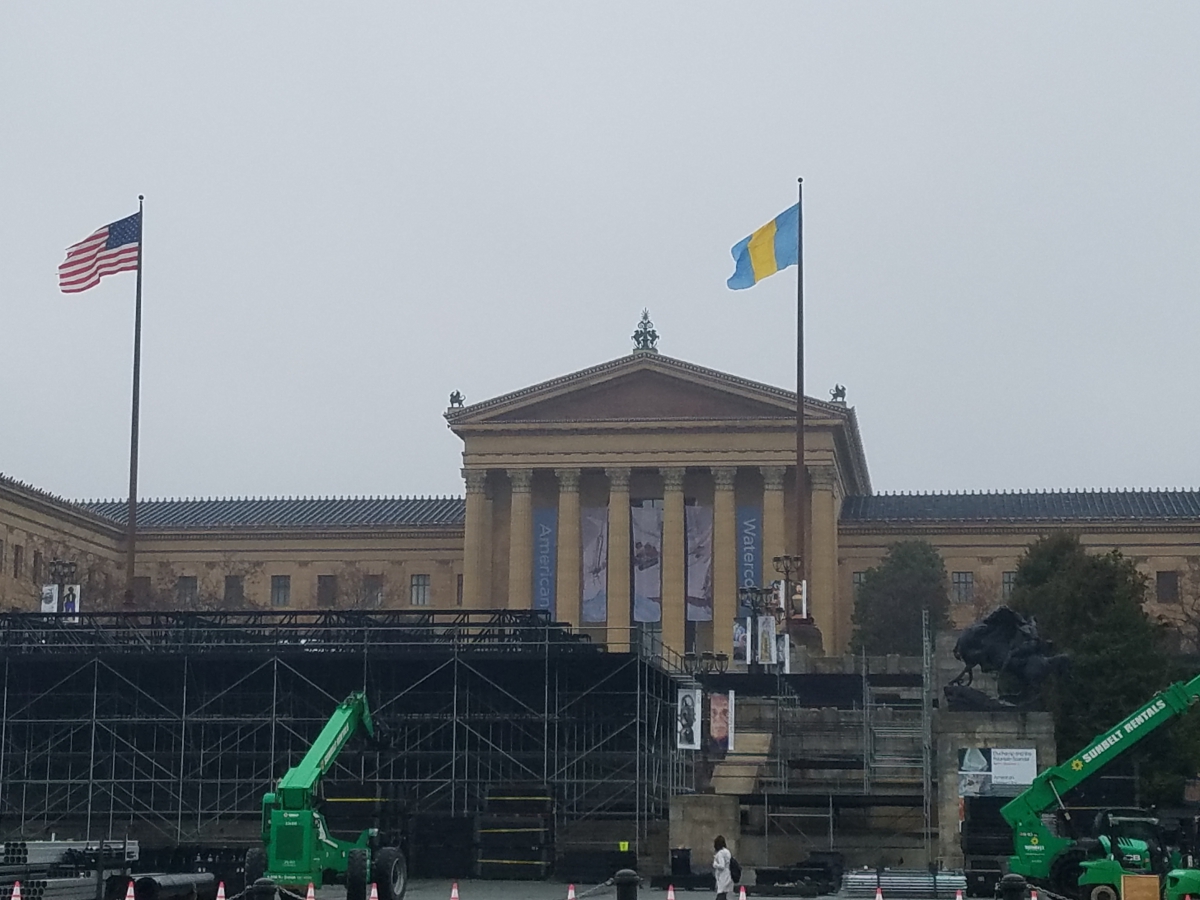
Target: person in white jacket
[{"x": 721, "y": 857}]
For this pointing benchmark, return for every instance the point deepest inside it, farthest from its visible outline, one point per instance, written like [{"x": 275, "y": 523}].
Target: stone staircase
[{"x": 739, "y": 771}]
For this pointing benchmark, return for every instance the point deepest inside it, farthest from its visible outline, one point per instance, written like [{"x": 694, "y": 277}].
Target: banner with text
[
  {"x": 646, "y": 560},
  {"x": 995, "y": 771},
  {"x": 593, "y": 529},
  {"x": 545, "y": 558},
  {"x": 749, "y": 568},
  {"x": 699, "y": 524}
]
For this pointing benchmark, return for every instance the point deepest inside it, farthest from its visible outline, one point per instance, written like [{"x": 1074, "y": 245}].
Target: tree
[
  {"x": 1091, "y": 606},
  {"x": 887, "y": 607}
]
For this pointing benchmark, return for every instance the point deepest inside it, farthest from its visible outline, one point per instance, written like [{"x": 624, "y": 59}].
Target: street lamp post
[
  {"x": 800, "y": 624},
  {"x": 705, "y": 663}
]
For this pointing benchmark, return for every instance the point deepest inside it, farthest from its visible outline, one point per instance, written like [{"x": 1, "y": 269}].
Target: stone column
[
  {"x": 568, "y": 586},
  {"x": 618, "y": 560},
  {"x": 674, "y": 562},
  {"x": 520, "y": 540},
  {"x": 822, "y": 567},
  {"x": 725, "y": 556},
  {"x": 774, "y": 522},
  {"x": 475, "y": 586}
]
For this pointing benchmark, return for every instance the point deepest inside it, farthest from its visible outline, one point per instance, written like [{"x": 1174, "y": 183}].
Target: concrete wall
[{"x": 980, "y": 729}]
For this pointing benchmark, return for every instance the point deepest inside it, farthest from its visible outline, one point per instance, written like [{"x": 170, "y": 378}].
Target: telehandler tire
[
  {"x": 357, "y": 874},
  {"x": 1103, "y": 892},
  {"x": 256, "y": 865},
  {"x": 389, "y": 871}
]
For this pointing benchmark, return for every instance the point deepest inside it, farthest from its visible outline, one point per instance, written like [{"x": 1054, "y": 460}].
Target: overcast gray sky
[{"x": 353, "y": 209}]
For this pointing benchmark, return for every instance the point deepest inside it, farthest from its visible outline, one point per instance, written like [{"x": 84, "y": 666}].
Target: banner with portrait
[
  {"x": 69, "y": 602},
  {"x": 593, "y": 531},
  {"x": 646, "y": 560},
  {"x": 699, "y": 524},
  {"x": 766, "y": 652},
  {"x": 720, "y": 724},
  {"x": 743, "y": 647},
  {"x": 687, "y": 718},
  {"x": 49, "y": 598},
  {"x": 545, "y": 558}
]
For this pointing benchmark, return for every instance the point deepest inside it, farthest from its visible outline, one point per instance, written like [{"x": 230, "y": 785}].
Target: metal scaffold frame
[{"x": 169, "y": 727}]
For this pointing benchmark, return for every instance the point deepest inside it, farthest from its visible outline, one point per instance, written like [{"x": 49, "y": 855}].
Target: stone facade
[{"x": 641, "y": 429}]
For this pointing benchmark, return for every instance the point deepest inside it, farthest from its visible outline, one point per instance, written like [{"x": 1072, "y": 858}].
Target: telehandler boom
[
  {"x": 297, "y": 846},
  {"x": 1093, "y": 868}
]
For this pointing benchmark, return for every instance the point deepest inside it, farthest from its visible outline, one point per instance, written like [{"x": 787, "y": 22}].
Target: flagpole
[
  {"x": 801, "y": 472},
  {"x": 131, "y": 538}
]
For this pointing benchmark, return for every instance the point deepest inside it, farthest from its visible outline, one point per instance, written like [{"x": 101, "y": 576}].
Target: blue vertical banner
[
  {"x": 545, "y": 557},
  {"x": 749, "y": 548},
  {"x": 749, "y": 574}
]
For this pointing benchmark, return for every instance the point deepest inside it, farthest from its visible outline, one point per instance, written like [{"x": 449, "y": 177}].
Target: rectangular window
[
  {"x": 326, "y": 590},
  {"x": 858, "y": 579},
  {"x": 1007, "y": 584},
  {"x": 18, "y": 560},
  {"x": 187, "y": 591},
  {"x": 459, "y": 594},
  {"x": 962, "y": 587},
  {"x": 281, "y": 590},
  {"x": 235, "y": 590},
  {"x": 418, "y": 592},
  {"x": 372, "y": 591},
  {"x": 141, "y": 589},
  {"x": 37, "y": 566},
  {"x": 1166, "y": 586}
]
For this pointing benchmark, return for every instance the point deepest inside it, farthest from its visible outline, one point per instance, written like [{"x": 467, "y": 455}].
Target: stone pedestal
[{"x": 698, "y": 818}]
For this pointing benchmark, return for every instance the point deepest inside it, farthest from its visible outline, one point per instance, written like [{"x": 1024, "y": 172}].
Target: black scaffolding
[{"x": 168, "y": 727}]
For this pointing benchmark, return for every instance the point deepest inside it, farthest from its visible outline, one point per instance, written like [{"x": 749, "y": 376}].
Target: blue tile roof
[
  {"x": 1024, "y": 506},
  {"x": 321, "y": 512}
]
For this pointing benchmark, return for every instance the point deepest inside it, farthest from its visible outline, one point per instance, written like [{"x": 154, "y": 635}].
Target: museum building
[{"x": 631, "y": 499}]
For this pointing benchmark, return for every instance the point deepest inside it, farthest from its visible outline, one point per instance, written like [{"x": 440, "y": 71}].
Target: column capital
[
  {"x": 476, "y": 480},
  {"x": 568, "y": 480},
  {"x": 618, "y": 478},
  {"x": 673, "y": 478},
  {"x": 522, "y": 480},
  {"x": 724, "y": 477},
  {"x": 824, "y": 478},
  {"x": 773, "y": 477}
]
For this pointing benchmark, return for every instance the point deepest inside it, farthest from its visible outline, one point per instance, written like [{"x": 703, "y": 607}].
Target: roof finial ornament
[
  {"x": 838, "y": 393},
  {"x": 645, "y": 339}
]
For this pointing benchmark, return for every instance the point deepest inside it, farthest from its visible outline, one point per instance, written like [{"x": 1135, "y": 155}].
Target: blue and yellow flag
[{"x": 773, "y": 247}]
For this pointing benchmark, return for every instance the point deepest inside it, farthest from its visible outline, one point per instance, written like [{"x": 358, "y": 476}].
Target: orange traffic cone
[
  {"x": 742, "y": 893},
  {"x": 374, "y": 891},
  {"x": 670, "y": 892},
  {"x": 878, "y": 893},
  {"x": 312, "y": 892},
  {"x": 16, "y": 895},
  {"x": 220, "y": 890},
  {"x": 570, "y": 892},
  {"x": 454, "y": 891},
  {"x": 1033, "y": 894},
  {"x": 129, "y": 890}
]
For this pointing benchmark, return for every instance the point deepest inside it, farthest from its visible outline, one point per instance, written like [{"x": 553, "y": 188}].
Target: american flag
[{"x": 111, "y": 249}]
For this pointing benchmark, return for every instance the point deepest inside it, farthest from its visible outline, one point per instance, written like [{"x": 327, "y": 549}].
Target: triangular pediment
[
  {"x": 640, "y": 387},
  {"x": 642, "y": 396}
]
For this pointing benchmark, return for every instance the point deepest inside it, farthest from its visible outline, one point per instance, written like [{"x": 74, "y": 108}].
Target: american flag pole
[{"x": 131, "y": 538}]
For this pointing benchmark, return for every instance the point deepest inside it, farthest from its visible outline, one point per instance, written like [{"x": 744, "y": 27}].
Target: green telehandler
[
  {"x": 297, "y": 845},
  {"x": 1121, "y": 842}
]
